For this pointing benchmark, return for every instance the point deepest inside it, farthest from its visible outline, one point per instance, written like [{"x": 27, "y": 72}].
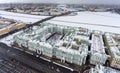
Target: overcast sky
[{"x": 64, "y": 1}]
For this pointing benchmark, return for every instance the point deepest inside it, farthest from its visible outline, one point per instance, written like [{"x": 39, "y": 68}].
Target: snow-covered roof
[
  {"x": 103, "y": 69},
  {"x": 69, "y": 50},
  {"x": 115, "y": 51},
  {"x": 109, "y": 38},
  {"x": 97, "y": 44},
  {"x": 82, "y": 37}
]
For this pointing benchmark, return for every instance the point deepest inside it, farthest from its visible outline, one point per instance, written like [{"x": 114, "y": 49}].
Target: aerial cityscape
[{"x": 55, "y": 37}]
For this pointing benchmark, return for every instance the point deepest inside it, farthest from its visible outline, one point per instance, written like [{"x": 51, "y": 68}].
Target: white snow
[
  {"x": 104, "y": 18},
  {"x": 9, "y": 39},
  {"x": 22, "y": 17},
  {"x": 101, "y": 18}
]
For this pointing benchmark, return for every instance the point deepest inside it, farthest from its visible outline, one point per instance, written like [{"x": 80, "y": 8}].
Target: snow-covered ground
[
  {"x": 9, "y": 39},
  {"x": 22, "y": 17},
  {"x": 85, "y": 19}
]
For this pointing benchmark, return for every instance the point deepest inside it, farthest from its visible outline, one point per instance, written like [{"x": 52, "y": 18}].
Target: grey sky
[{"x": 65, "y": 1}]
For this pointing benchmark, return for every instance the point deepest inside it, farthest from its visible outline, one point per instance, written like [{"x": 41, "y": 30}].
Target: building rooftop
[{"x": 102, "y": 69}]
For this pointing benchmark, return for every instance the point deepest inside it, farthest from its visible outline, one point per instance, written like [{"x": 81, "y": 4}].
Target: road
[
  {"x": 8, "y": 65},
  {"x": 31, "y": 61}
]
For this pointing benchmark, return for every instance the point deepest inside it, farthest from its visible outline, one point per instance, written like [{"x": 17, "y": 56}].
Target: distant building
[
  {"x": 113, "y": 49},
  {"x": 102, "y": 69}
]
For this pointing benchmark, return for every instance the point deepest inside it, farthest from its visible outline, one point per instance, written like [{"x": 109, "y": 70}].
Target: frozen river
[{"x": 89, "y": 20}]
